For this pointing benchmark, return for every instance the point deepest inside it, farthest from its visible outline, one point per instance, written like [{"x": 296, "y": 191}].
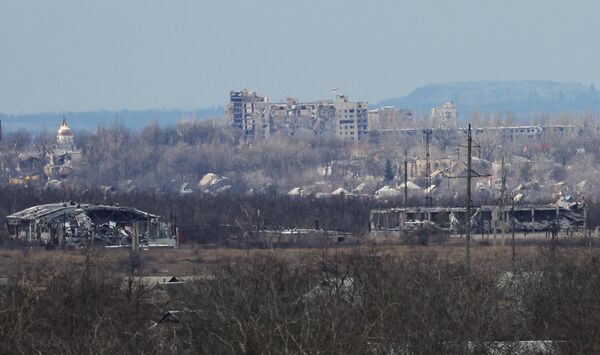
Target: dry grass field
[
  {"x": 199, "y": 259},
  {"x": 377, "y": 297}
]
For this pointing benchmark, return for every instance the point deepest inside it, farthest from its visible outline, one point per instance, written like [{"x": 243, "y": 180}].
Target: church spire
[{"x": 64, "y": 137}]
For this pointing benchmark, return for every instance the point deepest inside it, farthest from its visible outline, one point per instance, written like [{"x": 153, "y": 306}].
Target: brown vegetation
[{"x": 360, "y": 300}]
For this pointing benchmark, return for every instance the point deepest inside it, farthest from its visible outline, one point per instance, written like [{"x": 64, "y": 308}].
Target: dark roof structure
[
  {"x": 75, "y": 224},
  {"x": 53, "y": 211}
]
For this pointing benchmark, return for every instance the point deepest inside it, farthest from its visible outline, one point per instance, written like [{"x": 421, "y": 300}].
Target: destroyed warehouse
[
  {"x": 484, "y": 219},
  {"x": 73, "y": 224}
]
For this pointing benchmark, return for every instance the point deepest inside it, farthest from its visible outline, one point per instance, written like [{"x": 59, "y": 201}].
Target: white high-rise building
[
  {"x": 351, "y": 118},
  {"x": 444, "y": 116}
]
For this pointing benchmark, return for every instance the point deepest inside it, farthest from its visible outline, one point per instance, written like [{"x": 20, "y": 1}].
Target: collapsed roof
[
  {"x": 98, "y": 213},
  {"x": 76, "y": 224}
]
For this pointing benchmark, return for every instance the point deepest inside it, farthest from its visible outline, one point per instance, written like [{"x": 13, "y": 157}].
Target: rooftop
[{"x": 56, "y": 210}]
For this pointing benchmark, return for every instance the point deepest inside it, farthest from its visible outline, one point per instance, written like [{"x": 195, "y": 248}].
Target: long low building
[
  {"x": 509, "y": 132},
  {"x": 76, "y": 224},
  {"x": 484, "y": 218}
]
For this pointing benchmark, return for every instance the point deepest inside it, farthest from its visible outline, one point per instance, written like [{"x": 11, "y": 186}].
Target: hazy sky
[{"x": 114, "y": 54}]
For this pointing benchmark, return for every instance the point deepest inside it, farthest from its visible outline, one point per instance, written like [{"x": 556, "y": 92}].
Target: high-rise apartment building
[
  {"x": 389, "y": 117},
  {"x": 250, "y": 112},
  {"x": 351, "y": 118},
  {"x": 445, "y": 116},
  {"x": 259, "y": 119}
]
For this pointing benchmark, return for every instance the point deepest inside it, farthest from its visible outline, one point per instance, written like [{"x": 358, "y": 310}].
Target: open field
[
  {"x": 199, "y": 259},
  {"x": 372, "y": 298}
]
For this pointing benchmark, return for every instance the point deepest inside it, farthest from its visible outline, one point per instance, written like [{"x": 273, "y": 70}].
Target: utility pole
[
  {"x": 513, "y": 232},
  {"x": 468, "y": 203},
  {"x": 405, "y": 180},
  {"x": 133, "y": 252},
  {"x": 584, "y": 215},
  {"x": 469, "y": 175},
  {"x": 428, "y": 198},
  {"x": 501, "y": 202}
]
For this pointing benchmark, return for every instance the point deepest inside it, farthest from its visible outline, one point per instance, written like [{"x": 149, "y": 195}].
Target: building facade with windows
[
  {"x": 250, "y": 112},
  {"x": 389, "y": 117},
  {"x": 445, "y": 116},
  {"x": 351, "y": 118},
  {"x": 257, "y": 118}
]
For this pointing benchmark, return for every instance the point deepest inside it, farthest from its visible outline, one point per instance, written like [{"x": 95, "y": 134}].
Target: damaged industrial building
[
  {"x": 294, "y": 238},
  {"x": 71, "y": 224},
  {"x": 484, "y": 219}
]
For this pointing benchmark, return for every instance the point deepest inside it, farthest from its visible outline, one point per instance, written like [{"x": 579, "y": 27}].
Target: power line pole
[
  {"x": 513, "y": 246},
  {"x": 405, "y": 180},
  {"x": 428, "y": 198},
  {"x": 468, "y": 202},
  {"x": 501, "y": 202},
  {"x": 469, "y": 175}
]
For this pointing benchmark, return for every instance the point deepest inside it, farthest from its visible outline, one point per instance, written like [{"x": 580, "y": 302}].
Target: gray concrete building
[
  {"x": 257, "y": 118},
  {"x": 445, "y": 116},
  {"x": 250, "y": 112}
]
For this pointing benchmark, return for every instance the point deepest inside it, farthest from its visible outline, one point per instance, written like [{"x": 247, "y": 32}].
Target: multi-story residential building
[
  {"x": 351, "y": 118},
  {"x": 293, "y": 118},
  {"x": 325, "y": 118},
  {"x": 260, "y": 119},
  {"x": 389, "y": 117},
  {"x": 250, "y": 112},
  {"x": 445, "y": 116}
]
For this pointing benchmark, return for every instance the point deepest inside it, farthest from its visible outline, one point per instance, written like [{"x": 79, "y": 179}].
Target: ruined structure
[
  {"x": 73, "y": 224},
  {"x": 294, "y": 238},
  {"x": 445, "y": 116},
  {"x": 389, "y": 117},
  {"x": 248, "y": 111},
  {"x": 257, "y": 118},
  {"x": 458, "y": 134},
  {"x": 452, "y": 219}
]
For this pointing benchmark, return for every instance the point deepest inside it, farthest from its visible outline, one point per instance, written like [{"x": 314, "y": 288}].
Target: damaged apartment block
[{"x": 72, "y": 224}]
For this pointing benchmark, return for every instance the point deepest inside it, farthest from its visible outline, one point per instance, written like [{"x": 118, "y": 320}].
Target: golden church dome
[{"x": 64, "y": 130}]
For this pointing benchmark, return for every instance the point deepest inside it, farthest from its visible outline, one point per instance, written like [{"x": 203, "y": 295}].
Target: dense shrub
[{"x": 336, "y": 304}]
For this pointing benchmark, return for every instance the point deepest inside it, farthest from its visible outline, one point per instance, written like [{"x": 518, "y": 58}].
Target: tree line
[
  {"x": 164, "y": 157},
  {"x": 357, "y": 303}
]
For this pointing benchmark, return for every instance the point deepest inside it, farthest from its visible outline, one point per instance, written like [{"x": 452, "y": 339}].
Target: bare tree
[{"x": 43, "y": 143}]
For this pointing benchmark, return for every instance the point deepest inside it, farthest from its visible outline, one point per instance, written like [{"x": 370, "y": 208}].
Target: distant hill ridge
[
  {"x": 89, "y": 120},
  {"x": 520, "y": 97},
  {"x": 523, "y": 98}
]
